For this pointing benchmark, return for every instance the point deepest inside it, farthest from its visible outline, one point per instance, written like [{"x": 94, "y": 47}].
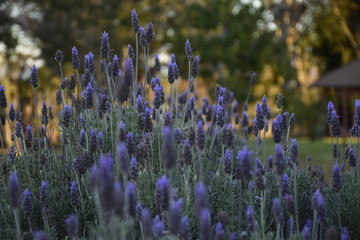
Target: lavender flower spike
[
  {"x": 168, "y": 153},
  {"x": 200, "y": 136},
  {"x": 188, "y": 50},
  {"x": 134, "y": 21},
  {"x": 195, "y": 67},
  {"x": 219, "y": 232},
  {"x": 185, "y": 231},
  {"x": 72, "y": 226},
  {"x": 14, "y": 190},
  {"x": 277, "y": 212},
  {"x": 357, "y": 112},
  {"x": 75, "y": 58},
  {"x": 201, "y": 199},
  {"x": 122, "y": 157},
  {"x": 131, "y": 201},
  {"x": 163, "y": 193},
  {"x": 27, "y": 204},
  {"x": 146, "y": 222},
  {"x": 205, "y": 225},
  {"x": 175, "y": 216},
  {"x": 330, "y": 108},
  {"x": 105, "y": 48},
  {"x": 158, "y": 227},
  {"x": 34, "y": 77},
  {"x": 279, "y": 159},
  {"x": 250, "y": 219},
  {"x": 336, "y": 178},
  {"x": 3, "y": 102}
]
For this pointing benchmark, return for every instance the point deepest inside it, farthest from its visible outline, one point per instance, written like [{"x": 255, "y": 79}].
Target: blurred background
[{"x": 292, "y": 45}]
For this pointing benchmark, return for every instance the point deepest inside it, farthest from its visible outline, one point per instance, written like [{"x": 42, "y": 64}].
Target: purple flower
[
  {"x": 12, "y": 153},
  {"x": 285, "y": 184},
  {"x": 134, "y": 170},
  {"x": 277, "y": 212},
  {"x": 290, "y": 204},
  {"x": 27, "y": 204},
  {"x": 43, "y": 195},
  {"x": 44, "y": 113},
  {"x": 59, "y": 56},
  {"x": 157, "y": 63},
  {"x": 72, "y": 226},
  {"x": 131, "y": 201},
  {"x": 159, "y": 97},
  {"x": 75, "y": 58},
  {"x": 89, "y": 96},
  {"x": 100, "y": 139},
  {"x": 115, "y": 66},
  {"x": 29, "y": 134},
  {"x": 244, "y": 164},
  {"x": 130, "y": 51},
  {"x": 104, "y": 48},
  {"x": 228, "y": 162},
  {"x": 351, "y": 157},
  {"x": 260, "y": 122},
  {"x": 74, "y": 194},
  {"x": 158, "y": 227},
  {"x": 204, "y": 224},
  {"x": 3, "y": 102},
  {"x": 335, "y": 124},
  {"x": 337, "y": 185},
  {"x": 13, "y": 190},
  {"x": 89, "y": 63},
  {"x": 220, "y": 115},
  {"x": 93, "y": 141},
  {"x": 146, "y": 222},
  {"x": 318, "y": 205},
  {"x": 279, "y": 159},
  {"x": 66, "y": 116},
  {"x": 82, "y": 140},
  {"x": 58, "y": 97},
  {"x": 188, "y": 50},
  {"x": 12, "y": 113},
  {"x": 185, "y": 231},
  {"x": 134, "y": 21},
  {"x": 64, "y": 83},
  {"x": 41, "y": 235},
  {"x": 227, "y": 136},
  {"x": 250, "y": 219},
  {"x": 122, "y": 157},
  {"x": 163, "y": 193},
  {"x": 201, "y": 199},
  {"x": 195, "y": 67},
  {"x": 277, "y": 128},
  {"x": 330, "y": 108},
  {"x": 168, "y": 153},
  {"x": 143, "y": 37},
  {"x": 149, "y": 33},
  {"x": 175, "y": 216},
  {"x": 200, "y": 136},
  {"x": 357, "y": 112},
  {"x": 219, "y": 232},
  {"x": 171, "y": 73},
  {"x": 294, "y": 151},
  {"x": 34, "y": 77},
  {"x": 148, "y": 120},
  {"x": 125, "y": 83},
  {"x": 345, "y": 234}
]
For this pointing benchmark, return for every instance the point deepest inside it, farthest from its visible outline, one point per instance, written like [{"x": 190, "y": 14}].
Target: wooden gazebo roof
[{"x": 347, "y": 76}]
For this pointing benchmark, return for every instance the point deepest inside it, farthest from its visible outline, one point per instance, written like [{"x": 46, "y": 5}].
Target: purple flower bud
[
  {"x": 72, "y": 226},
  {"x": 34, "y": 77},
  {"x": 355, "y": 131},
  {"x": 130, "y": 51},
  {"x": 134, "y": 170},
  {"x": 27, "y": 204},
  {"x": 146, "y": 222},
  {"x": 351, "y": 157},
  {"x": 74, "y": 194},
  {"x": 134, "y": 21},
  {"x": 43, "y": 196},
  {"x": 227, "y": 136},
  {"x": 195, "y": 67},
  {"x": 200, "y": 136},
  {"x": 205, "y": 225},
  {"x": 290, "y": 204},
  {"x": 18, "y": 130},
  {"x": 345, "y": 234},
  {"x": 171, "y": 74},
  {"x": 335, "y": 124},
  {"x": 131, "y": 200},
  {"x": 294, "y": 151},
  {"x": 64, "y": 83},
  {"x": 250, "y": 219},
  {"x": 12, "y": 113},
  {"x": 148, "y": 120},
  {"x": 330, "y": 108},
  {"x": 277, "y": 128},
  {"x": 100, "y": 139},
  {"x": 3, "y": 102},
  {"x": 201, "y": 199},
  {"x": 93, "y": 141},
  {"x": 318, "y": 205},
  {"x": 159, "y": 97},
  {"x": 158, "y": 227},
  {"x": 89, "y": 63},
  {"x": 157, "y": 63},
  {"x": 168, "y": 153},
  {"x": 279, "y": 159},
  {"x": 59, "y": 56},
  {"x": 277, "y": 212},
  {"x": 228, "y": 162},
  {"x": 12, "y": 153},
  {"x": 66, "y": 116},
  {"x": 149, "y": 33},
  {"x": 185, "y": 231},
  {"x": 75, "y": 58},
  {"x": 29, "y": 134},
  {"x": 219, "y": 232},
  {"x": 115, "y": 66},
  {"x": 122, "y": 157},
  {"x": 163, "y": 193},
  {"x": 260, "y": 123},
  {"x": 89, "y": 98},
  {"x": 142, "y": 37},
  {"x": 285, "y": 184},
  {"x": 175, "y": 216},
  {"x": 13, "y": 190},
  {"x": 124, "y": 85},
  {"x": 104, "y": 48},
  {"x": 357, "y": 112},
  {"x": 188, "y": 50},
  {"x": 58, "y": 97},
  {"x": 82, "y": 140},
  {"x": 220, "y": 115},
  {"x": 244, "y": 166},
  {"x": 337, "y": 183},
  {"x": 41, "y": 235}
]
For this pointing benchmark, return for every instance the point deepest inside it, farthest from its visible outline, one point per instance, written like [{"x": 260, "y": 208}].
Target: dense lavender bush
[{"x": 132, "y": 163}]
